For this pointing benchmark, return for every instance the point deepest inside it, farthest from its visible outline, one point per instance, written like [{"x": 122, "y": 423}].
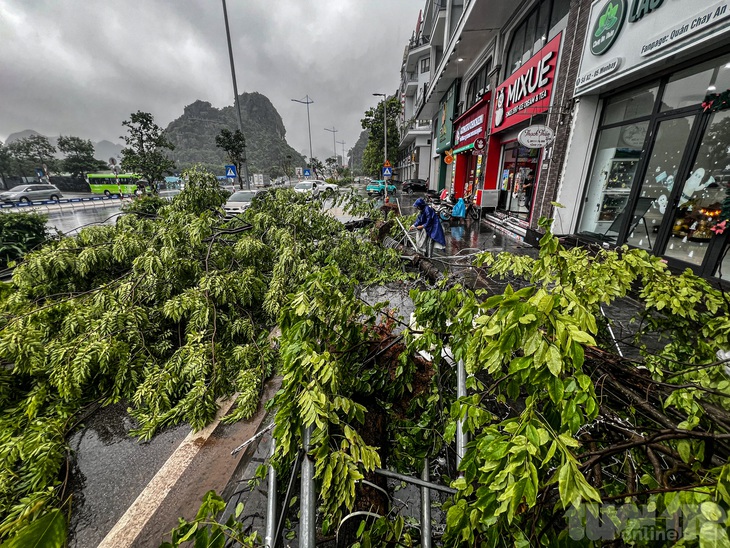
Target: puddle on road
[{"x": 110, "y": 469}]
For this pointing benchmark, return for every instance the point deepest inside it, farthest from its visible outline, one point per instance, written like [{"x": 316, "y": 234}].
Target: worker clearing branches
[{"x": 430, "y": 232}]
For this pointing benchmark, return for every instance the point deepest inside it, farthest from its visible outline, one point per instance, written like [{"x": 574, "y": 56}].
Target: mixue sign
[{"x": 529, "y": 90}]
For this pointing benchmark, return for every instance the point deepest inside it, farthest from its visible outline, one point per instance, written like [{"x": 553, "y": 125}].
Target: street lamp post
[
  {"x": 307, "y": 101},
  {"x": 334, "y": 143},
  {"x": 244, "y": 163},
  {"x": 385, "y": 138}
]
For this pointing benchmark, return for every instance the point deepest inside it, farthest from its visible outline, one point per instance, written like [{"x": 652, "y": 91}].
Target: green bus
[{"x": 108, "y": 183}]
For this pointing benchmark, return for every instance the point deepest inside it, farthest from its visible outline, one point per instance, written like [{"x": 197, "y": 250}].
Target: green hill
[{"x": 193, "y": 135}]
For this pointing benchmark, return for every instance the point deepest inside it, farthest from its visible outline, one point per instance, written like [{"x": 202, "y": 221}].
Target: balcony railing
[{"x": 418, "y": 42}]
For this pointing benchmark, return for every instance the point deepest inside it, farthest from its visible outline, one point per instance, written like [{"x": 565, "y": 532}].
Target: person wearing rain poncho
[{"x": 430, "y": 232}]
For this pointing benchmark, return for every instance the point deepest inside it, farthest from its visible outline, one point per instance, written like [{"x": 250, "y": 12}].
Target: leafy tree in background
[
  {"x": 31, "y": 153},
  {"x": 372, "y": 159},
  {"x": 331, "y": 164},
  {"x": 6, "y": 160},
  {"x": 234, "y": 145},
  {"x": 145, "y": 150},
  {"x": 79, "y": 155},
  {"x": 317, "y": 166}
]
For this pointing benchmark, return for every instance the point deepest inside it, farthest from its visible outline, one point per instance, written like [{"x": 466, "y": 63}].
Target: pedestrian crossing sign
[
  {"x": 387, "y": 172},
  {"x": 231, "y": 172}
]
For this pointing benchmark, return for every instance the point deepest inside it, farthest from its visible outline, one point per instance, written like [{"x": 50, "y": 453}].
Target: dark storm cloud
[{"x": 80, "y": 67}]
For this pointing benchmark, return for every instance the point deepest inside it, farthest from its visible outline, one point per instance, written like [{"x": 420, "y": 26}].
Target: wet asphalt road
[{"x": 111, "y": 468}]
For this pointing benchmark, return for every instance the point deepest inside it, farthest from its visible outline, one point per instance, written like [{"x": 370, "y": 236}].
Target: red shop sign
[
  {"x": 529, "y": 90},
  {"x": 472, "y": 124}
]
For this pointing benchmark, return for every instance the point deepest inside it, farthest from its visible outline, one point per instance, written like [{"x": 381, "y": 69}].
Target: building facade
[
  {"x": 630, "y": 100},
  {"x": 496, "y": 71},
  {"x": 415, "y": 134},
  {"x": 649, "y": 157}
]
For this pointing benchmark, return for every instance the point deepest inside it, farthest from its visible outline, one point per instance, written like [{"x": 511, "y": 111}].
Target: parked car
[
  {"x": 241, "y": 200},
  {"x": 415, "y": 185},
  {"x": 31, "y": 193},
  {"x": 377, "y": 186}
]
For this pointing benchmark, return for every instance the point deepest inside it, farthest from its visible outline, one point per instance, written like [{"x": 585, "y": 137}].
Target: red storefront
[
  {"x": 469, "y": 168},
  {"x": 521, "y": 100}
]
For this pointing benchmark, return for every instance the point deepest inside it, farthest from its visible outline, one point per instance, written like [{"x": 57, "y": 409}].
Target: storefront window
[
  {"x": 532, "y": 34},
  {"x": 651, "y": 206},
  {"x": 627, "y": 106},
  {"x": 690, "y": 87},
  {"x": 612, "y": 178},
  {"x": 703, "y": 193}
]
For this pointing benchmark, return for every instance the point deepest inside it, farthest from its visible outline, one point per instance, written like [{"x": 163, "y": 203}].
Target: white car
[
  {"x": 241, "y": 200},
  {"x": 315, "y": 187}
]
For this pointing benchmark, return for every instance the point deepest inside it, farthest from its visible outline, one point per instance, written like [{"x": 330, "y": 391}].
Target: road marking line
[{"x": 130, "y": 525}]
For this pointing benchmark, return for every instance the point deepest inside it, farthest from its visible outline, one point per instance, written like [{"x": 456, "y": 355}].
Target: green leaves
[{"x": 48, "y": 531}]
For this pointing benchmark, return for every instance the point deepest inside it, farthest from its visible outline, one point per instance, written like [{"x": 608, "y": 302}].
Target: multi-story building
[
  {"x": 481, "y": 52},
  {"x": 617, "y": 109},
  {"x": 415, "y": 135}
]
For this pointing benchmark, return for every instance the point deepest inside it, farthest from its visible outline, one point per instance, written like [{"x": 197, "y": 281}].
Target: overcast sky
[{"x": 80, "y": 67}]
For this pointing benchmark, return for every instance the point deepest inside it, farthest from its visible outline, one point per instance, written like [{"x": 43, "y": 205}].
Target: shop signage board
[
  {"x": 471, "y": 125},
  {"x": 632, "y": 37},
  {"x": 536, "y": 136},
  {"x": 529, "y": 90},
  {"x": 444, "y": 121}
]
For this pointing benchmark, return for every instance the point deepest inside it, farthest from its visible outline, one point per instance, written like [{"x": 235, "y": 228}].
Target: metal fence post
[
  {"x": 271, "y": 501},
  {"x": 461, "y": 439},
  {"x": 308, "y": 506},
  {"x": 425, "y": 508}
]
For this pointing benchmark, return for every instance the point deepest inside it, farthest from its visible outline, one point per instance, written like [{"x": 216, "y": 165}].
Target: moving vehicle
[
  {"x": 37, "y": 192},
  {"x": 108, "y": 183},
  {"x": 316, "y": 187},
  {"x": 415, "y": 185},
  {"x": 377, "y": 186},
  {"x": 241, "y": 200}
]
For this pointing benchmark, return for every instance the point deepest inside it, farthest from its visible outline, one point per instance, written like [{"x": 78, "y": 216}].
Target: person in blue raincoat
[{"x": 429, "y": 227}]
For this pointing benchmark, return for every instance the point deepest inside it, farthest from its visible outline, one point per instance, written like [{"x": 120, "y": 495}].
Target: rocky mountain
[
  {"x": 103, "y": 150},
  {"x": 193, "y": 135}
]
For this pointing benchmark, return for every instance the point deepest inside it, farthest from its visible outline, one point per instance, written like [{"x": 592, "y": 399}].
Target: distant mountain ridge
[
  {"x": 267, "y": 151},
  {"x": 103, "y": 150},
  {"x": 194, "y": 133}
]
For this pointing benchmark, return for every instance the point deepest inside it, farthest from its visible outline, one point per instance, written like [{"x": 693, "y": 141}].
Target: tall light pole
[
  {"x": 244, "y": 163},
  {"x": 334, "y": 143},
  {"x": 343, "y": 153},
  {"x": 385, "y": 138},
  {"x": 307, "y": 101}
]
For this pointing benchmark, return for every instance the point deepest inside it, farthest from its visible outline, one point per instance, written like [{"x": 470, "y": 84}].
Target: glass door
[
  {"x": 663, "y": 169},
  {"x": 702, "y": 195}
]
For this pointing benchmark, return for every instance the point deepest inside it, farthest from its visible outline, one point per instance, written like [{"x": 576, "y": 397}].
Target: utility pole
[
  {"x": 385, "y": 139},
  {"x": 307, "y": 101},
  {"x": 244, "y": 163}
]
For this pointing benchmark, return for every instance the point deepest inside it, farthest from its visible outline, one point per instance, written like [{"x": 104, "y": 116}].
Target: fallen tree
[
  {"x": 576, "y": 436},
  {"x": 168, "y": 310}
]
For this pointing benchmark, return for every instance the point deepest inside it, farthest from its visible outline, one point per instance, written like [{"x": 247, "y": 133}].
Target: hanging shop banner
[
  {"x": 536, "y": 136},
  {"x": 529, "y": 90},
  {"x": 633, "y": 36},
  {"x": 471, "y": 125}
]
